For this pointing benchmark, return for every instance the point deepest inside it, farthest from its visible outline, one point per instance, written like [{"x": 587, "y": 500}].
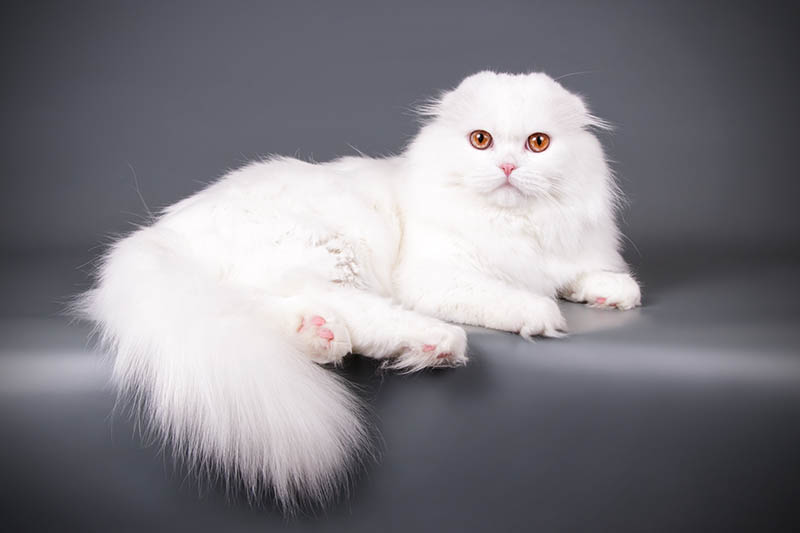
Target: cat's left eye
[{"x": 538, "y": 142}]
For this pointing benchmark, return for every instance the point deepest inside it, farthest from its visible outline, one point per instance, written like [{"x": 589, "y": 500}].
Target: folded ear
[
  {"x": 449, "y": 101},
  {"x": 575, "y": 110}
]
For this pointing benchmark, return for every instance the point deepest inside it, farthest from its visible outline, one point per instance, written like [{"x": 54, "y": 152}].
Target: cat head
[{"x": 509, "y": 138}]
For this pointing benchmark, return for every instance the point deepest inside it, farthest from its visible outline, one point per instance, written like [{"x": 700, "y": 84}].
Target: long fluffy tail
[{"x": 214, "y": 379}]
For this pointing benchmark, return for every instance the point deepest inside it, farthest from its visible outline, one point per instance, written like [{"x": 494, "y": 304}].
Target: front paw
[
  {"x": 543, "y": 317},
  {"x": 605, "y": 290}
]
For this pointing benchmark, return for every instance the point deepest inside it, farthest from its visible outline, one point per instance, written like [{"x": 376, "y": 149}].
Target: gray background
[
  {"x": 703, "y": 94},
  {"x": 683, "y": 415}
]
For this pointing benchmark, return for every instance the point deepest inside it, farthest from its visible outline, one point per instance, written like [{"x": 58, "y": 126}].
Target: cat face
[{"x": 508, "y": 138}]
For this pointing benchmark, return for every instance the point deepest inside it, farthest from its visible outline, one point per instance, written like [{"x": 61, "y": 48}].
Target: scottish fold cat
[{"x": 222, "y": 314}]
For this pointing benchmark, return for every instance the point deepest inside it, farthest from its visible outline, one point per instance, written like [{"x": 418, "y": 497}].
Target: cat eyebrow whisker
[{"x": 576, "y": 73}]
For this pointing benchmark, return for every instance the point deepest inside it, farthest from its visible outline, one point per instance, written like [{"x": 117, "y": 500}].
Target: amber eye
[
  {"x": 538, "y": 142},
  {"x": 480, "y": 139}
]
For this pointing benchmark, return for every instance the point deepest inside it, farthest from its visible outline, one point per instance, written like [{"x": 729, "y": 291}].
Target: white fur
[{"x": 210, "y": 310}]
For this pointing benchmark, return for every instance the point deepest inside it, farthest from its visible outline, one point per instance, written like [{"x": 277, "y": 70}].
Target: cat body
[{"x": 218, "y": 313}]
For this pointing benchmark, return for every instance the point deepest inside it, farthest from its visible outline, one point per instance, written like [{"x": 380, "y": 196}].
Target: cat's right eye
[{"x": 480, "y": 139}]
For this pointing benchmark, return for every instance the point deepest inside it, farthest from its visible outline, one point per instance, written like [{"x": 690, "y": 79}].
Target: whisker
[{"x": 578, "y": 73}]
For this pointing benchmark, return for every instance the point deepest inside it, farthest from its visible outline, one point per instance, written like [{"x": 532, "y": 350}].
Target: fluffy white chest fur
[{"x": 218, "y": 313}]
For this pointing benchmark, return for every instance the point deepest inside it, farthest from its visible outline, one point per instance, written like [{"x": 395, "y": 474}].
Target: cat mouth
[{"x": 507, "y": 185}]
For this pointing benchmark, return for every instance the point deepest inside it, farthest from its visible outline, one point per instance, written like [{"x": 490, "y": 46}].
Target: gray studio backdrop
[
  {"x": 679, "y": 416},
  {"x": 97, "y": 96}
]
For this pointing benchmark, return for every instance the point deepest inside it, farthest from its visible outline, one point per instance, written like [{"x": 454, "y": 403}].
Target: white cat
[{"x": 217, "y": 313}]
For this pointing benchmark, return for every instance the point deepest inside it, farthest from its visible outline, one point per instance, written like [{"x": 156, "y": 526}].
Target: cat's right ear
[
  {"x": 430, "y": 108},
  {"x": 475, "y": 79},
  {"x": 449, "y": 101}
]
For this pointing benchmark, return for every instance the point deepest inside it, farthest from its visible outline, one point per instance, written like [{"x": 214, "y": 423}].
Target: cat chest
[{"x": 524, "y": 260}]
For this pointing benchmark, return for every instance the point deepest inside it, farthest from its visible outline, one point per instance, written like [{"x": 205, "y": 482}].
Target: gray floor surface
[{"x": 680, "y": 416}]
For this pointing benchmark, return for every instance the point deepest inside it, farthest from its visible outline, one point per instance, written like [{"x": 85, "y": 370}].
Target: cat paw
[
  {"x": 439, "y": 346},
  {"x": 543, "y": 318},
  {"x": 605, "y": 290},
  {"x": 323, "y": 338}
]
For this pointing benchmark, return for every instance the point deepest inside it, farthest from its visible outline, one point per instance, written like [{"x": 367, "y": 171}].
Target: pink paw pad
[
  {"x": 325, "y": 333},
  {"x": 428, "y": 347},
  {"x": 600, "y": 300},
  {"x": 317, "y": 320},
  {"x": 443, "y": 355}
]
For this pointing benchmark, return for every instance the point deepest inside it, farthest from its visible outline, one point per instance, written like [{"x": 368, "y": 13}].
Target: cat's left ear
[{"x": 585, "y": 119}]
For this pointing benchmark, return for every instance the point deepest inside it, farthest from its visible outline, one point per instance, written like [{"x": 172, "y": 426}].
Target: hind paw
[
  {"x": 325, "y": 340},
  {"x": 446, "y": 346}
]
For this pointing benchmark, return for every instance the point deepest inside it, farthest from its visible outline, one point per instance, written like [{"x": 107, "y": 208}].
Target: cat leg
[
  {"x": 407, "y": 340},
  {"x": 605, "y": 290},
  {"x": 601, "y": 275},
  {"x": 469, "y": 298}
]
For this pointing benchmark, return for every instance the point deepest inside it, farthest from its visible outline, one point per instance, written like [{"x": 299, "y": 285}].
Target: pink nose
[{"x": 508, "y": 168}]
